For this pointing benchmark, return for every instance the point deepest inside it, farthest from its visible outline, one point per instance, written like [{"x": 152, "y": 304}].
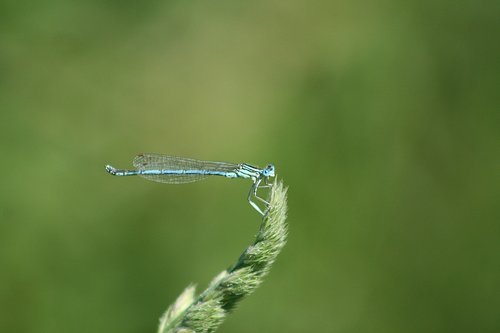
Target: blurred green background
[{"x": 381, "y": 117}]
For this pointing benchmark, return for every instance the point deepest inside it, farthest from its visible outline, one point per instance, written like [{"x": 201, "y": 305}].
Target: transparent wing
[{"x": 164, "y": 162}]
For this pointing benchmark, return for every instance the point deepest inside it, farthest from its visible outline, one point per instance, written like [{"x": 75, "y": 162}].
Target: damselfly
[{"x": 178, "y": 170}]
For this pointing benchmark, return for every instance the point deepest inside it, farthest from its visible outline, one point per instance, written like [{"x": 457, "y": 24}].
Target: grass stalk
[{"x": 205, "y": 312}]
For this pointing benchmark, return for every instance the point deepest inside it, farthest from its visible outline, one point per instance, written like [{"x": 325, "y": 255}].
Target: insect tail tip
[{"x": 110, "y": 169}]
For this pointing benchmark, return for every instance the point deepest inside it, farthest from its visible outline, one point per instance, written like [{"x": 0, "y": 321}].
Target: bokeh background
[{"x": 380, "y": 116}]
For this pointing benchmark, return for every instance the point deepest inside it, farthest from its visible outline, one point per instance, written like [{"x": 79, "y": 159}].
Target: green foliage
[
  {"x": 207, "y": 311},
  {"x": 384, "y": 115}
]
